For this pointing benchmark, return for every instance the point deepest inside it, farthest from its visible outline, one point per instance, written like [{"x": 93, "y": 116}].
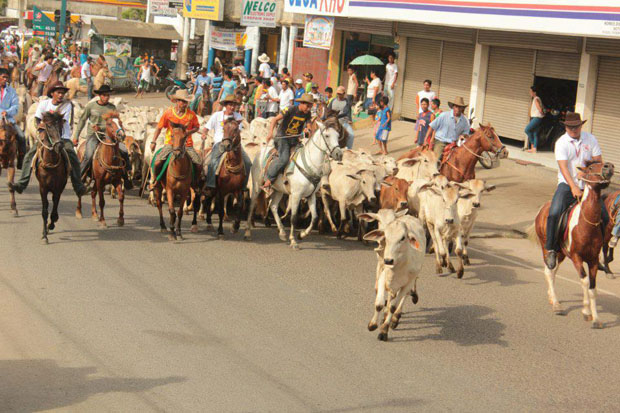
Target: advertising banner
[
  {"x": 318, "y": 32},
  {"x": 204, "y": 9},
  {"x": 42, "y": 26},
  {"x": 229, "y": 40},
  {"x": 261, "y": 13},
  {"x": 117, "y": 46},
  {"x": 163, "y": 8},
  {"x": 320, "y": 7}
]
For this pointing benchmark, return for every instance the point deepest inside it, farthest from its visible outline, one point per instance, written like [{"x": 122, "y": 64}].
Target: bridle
[
  {"x": 605, "y": 174},
  {"x": 329, "y": 152}
]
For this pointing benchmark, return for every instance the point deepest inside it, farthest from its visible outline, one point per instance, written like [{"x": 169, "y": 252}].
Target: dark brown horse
[
  {"x": 461, "y": 164},
  {"x": 584, "y": 241},
  {"x": 51, "y": 170},
  {"x": 230, "y": 179},
  {"x": 107, "y": 169},
  {"x": 8, "y": 153},
  {"x": 177, "y": 180}
]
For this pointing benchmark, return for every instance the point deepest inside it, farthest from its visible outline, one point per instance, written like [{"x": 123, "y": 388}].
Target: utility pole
[
  {"x": 63, "y": 18},
  {"x": 185, "y": 49},
  {"x": 205, "y": 44},
  {"x": 20, "y": 10}
]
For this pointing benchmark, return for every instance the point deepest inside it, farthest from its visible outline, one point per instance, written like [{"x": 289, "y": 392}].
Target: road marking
[{"x": 539, "y": 270}]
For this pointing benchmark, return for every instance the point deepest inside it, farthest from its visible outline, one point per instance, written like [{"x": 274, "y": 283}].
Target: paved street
[{"x": 120, "y": 319}]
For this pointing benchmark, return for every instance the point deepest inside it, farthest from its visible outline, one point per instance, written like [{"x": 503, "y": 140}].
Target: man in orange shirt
[{"x": 179, "y": 114}]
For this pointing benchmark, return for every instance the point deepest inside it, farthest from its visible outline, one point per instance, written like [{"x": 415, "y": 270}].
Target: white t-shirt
[
  {"x": 390, "y": 72},
  {"x": 286, "y": 98},
  {"x": 577, "y": 152},
  {"x": 272, "y": 106},
  {"x": 216, "y": 124},
  {"x": 376, "y": 83},
  {"x": 45, "y": 72},
  {"x": 146, "y": 74},
  {"x": 85, "y": 71},
  {"x": 265, "y": 69},
  {"x": 430, "y": 95},
  {"x": 46, "y": 105}
]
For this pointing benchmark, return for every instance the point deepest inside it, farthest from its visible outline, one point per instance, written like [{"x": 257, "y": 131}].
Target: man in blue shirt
[
  {"x": 299, "y": 84},
  {"x": 9, "y": 106},
  {"x": 449, "y": 126},
  {"x": 216, "y": 84},
  {"x": 202, "y": 84}
]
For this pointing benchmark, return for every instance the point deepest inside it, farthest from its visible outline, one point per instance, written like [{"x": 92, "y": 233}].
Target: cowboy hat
[
  {"x": 263, "y": 58},
  {"x": 458, "y": 101},
  {"x": 305, "y": 98},
  {"x": 182, "y": 94},
  {"x": 229, "y": 99},
  {"x": 340, "y": 90},
  {"x": 573, "y": 119},
  {"x": 103, "y": 90},
  {"x": 56, "y": 86}
]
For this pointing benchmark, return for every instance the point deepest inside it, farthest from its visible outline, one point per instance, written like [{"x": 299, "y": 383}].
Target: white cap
[{"x": 299, "y": 82}]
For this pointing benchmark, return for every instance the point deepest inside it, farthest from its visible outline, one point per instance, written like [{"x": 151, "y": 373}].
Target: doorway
[{"x": 558, "y": 96}]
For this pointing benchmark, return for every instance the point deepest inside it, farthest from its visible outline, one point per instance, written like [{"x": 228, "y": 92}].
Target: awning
[{"x": 135, "y": 29}]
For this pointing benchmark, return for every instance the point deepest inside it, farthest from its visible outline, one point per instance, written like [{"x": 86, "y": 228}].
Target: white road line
[{"x": 539, "y": 270}]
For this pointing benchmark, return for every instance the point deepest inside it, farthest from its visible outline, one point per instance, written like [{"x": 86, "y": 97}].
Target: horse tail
[{"x": 531, "y": 234}]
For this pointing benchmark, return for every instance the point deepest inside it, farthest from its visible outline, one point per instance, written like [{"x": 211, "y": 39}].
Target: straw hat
[
  {"x": 458, "y": 101},
  {"x": 229, "y": 99},
  {"x": 56, "y": 86},
  {"x": 263, "y": 58},
  {"x": 573, "y": 119},
  {"x": 305, "y": 98},
  {"x": 182, "y": 94}
]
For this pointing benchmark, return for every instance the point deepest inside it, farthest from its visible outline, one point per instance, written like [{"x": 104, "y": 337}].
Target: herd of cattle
[{"x": 407, "y": 199}]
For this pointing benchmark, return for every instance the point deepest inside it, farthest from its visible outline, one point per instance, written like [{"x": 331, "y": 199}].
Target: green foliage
[
  {"x": 133, "y": 14},
  {"x": 33, "y": 40}
]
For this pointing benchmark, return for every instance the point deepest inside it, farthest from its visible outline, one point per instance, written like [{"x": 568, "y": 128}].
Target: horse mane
[{"x": 111, "y": 115}]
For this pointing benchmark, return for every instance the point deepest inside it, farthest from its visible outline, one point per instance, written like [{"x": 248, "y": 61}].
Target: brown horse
[
  {"x": 54, "y": 77},
  {"x": 177, "y": 181},
  {"x": 51, "y": 170},
  {"x": 584, "y": 241},
  {"x": 461, "y": 164},
  {"x": 613, "y": 208},
  {"x": 230, "y": 179},
  {"x": 107, "y": 169},
  {"x": 8, "y": 153}
]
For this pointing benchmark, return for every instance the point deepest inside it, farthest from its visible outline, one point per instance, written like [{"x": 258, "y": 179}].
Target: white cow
[
  {"x": 423, "y": 166},
  {"x": 467, "y": 208},
  {"x": 403, "y": 242}
]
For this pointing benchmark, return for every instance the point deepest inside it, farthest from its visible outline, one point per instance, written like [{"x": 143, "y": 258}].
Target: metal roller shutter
[
  {"x": 382, "y": 27},
  {"x": 607, "y": 47},
  {"x": 507, "y": 101},
  {"x": 457, "y": 61},
  {"x": 425, "y": 31},
  {"x": 530, "y": 40},
  {"x": 422, "y": 63},
  {"x": 605, "y": 118},
  {"x": 558, "y": 65}
]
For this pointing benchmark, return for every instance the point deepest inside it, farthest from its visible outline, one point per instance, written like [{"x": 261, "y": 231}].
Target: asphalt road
[{"x": 121, "y": 319}]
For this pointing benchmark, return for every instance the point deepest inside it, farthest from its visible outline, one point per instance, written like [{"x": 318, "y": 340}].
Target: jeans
[
  {"x": 40, "y": 89},
  {"x": 350, "y": 100},
  {"x": 89, "y": 88},
  {"x": 532, "y": 129},
  {"x": 438, "y": 148},
  {"x": 284, "y": 146},
  {"x": 89, "y": 152},
  {"x": 562, "y": 199},
  {"x": 21, "y": 139},
  {"x": 76, "y": 179},
  {"x": 216, "y": 154},
  {"x": 350, "y": 135},
  {"x": 367, "y": 103}
]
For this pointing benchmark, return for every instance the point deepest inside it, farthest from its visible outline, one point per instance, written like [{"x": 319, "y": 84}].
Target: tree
[{"x": 134, "y": 14}]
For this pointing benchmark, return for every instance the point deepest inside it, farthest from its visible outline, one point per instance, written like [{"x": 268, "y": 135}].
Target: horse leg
[
  {"x": 121, "y": 200},
  {"x": 172, "y": 236},
  {"x": 238, "y": 209},
  {"x": 180, "y": 217},
  {"x": 11, "y": 177},
  {"x": 553, "y": 298},
  {"x": 273, "y": 206},
  {"x": 78, "y": 208},
  {"x": 158, "y": 201},
  {"x": 93, "y": 208},
  {"x": 196, "y": 205},
  {"x": 207, "y": 207},
  {"x": 44, "y": 206},
  {"x": 248, "y": 224},
  {"x": 314, "y": 214},
  {"x": 219, "y": 204},
  {"x": 54, "y": 215},
  {"x": 101, "y": 191},
  {"x": 293, "y": 202},
  {"x": 592, "y": 269}
]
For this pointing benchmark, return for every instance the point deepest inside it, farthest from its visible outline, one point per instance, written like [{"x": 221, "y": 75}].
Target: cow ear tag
[{"x": 414, "y": 242}]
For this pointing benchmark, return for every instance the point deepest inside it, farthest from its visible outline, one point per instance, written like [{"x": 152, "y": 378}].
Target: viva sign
[{"x": 317, "y": 7}]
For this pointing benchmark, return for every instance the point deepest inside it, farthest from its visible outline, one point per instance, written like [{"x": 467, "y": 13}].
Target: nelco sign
[{"x": 317, "y": 7}]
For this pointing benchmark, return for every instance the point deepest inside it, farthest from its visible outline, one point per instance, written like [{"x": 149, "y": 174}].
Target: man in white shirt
[
  {"x": 425, "y": 93},
  {"x": 272, "y": 97},
  {"x": 573, "y": 149},
  {"x": 45, "y": 70},
  {"x": 264, "y": 70},
  {"x": 55, "y": 103},
  {"x": 286, "y": 96},
  {"x": 391, "y": 75},
  {"x": 216, "y": 124},
  {"x": 86, "y": 75}
]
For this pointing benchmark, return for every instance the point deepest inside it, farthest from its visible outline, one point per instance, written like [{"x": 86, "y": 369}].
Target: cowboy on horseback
[
  {"x": 294, "y": 120},
  {"x": 574, "y": 149},
  {"x": 178, "y": 114},
  {"x": 9, "y": 106},
  {"x": 65, "y": 108},
  {"x": 216, "y": 124},
  {"x": 448, "y": 127},
  {"x": 93, "y": 114}
]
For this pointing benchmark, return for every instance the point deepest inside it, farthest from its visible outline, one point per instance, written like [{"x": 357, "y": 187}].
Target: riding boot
[
  {"x": 20, "y": 160},
  {"x": 76, "y": 176},
  {"x": 24, "y": 178},
  {"x": 21, "y": 147},
  {"x": 127, "y": 181}
]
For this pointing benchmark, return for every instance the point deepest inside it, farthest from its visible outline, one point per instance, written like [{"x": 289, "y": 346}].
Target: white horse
[{"x": 310, "y": 166}]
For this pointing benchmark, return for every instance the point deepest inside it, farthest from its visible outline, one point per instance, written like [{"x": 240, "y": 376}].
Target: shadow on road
[
  {"x": 465, "y": 325},
  {"x": 399, "y": 404},
  {"x": 487, "y": 274},
  {"x": 35, "y": 385}
]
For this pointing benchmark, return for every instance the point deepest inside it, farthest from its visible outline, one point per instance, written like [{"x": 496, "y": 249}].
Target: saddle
[
  {"x": 273, "y": 153},
  {"x": 37, "y": 157},
  {"x": 562, "y": 231},
  {"x": 447, "y": 152},
  {"x": 160, "y": 173}
]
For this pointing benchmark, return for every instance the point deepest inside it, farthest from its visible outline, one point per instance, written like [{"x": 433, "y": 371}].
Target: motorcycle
[{"x": 170, "y": 84}]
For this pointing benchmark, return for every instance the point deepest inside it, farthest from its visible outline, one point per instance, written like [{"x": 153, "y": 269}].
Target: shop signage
[
  {"x": 117, "y": 46},
  {"x": 42, "y": 26},
  {"x": 261, "y": 13},
  {"x": 318, "y": 7},
  {"x": 204, "y": 9},
  {"x": 163, "y": 8},
  {"x": 229, "y": 40},
  {"x": 318, "y": 32}
]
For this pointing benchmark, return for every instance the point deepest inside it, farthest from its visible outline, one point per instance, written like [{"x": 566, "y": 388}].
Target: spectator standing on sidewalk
[
  {"x": 537, "y": 113},
  {"x": 352, "y": 86},
  {"x": 435, "y": 108},
  {"x": 299, "y": 91},
  {"x": 87, "y": 76},
  {"x": 374, "y": 88},
  {"x": 425, "y": 93},
  {"x": 308, "y": 79},
  {"x": 423, "y": 122},
  {"x": 391, "y": 75},
  {"x": 385, "y": 124}
]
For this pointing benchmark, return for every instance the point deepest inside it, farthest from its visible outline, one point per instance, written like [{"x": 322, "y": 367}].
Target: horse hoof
[
  {"x": 120, "y": 222},
  {"x": 557, "y": 309},
  {"x": 372, "y": 327},
  {"x": 414, "y": 297},
  {"x": 597, "y": 325},
  {"x": 382, "y": 337},
  {"x": 172, "y": 237},
  {"x": 298, "y": 236},
  {"x": 460, "y": 272},
  {"x": 44, "y": 241},
  {"x": 202, "y": 217},
  {"x": 466, "y": 260},
  {"x": 295, "y": 246},
  {"x": 94, "y": 217},
  {"x": 210, "y": 228},
  {"x": 163, "y": 230},
  {"x": 78, "y": 215},
  {"x": 283, "y": 237},
  {"x": 587, "y": 317},
  {"x": 394, "y": 323},
  {"x": 438, "y": 269},
  {"x": 220, "y": 236},
  {"x": 103, "y": 224},
  {"x": 51, "y": 227},
  {"x": 194, "y": 229}
]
